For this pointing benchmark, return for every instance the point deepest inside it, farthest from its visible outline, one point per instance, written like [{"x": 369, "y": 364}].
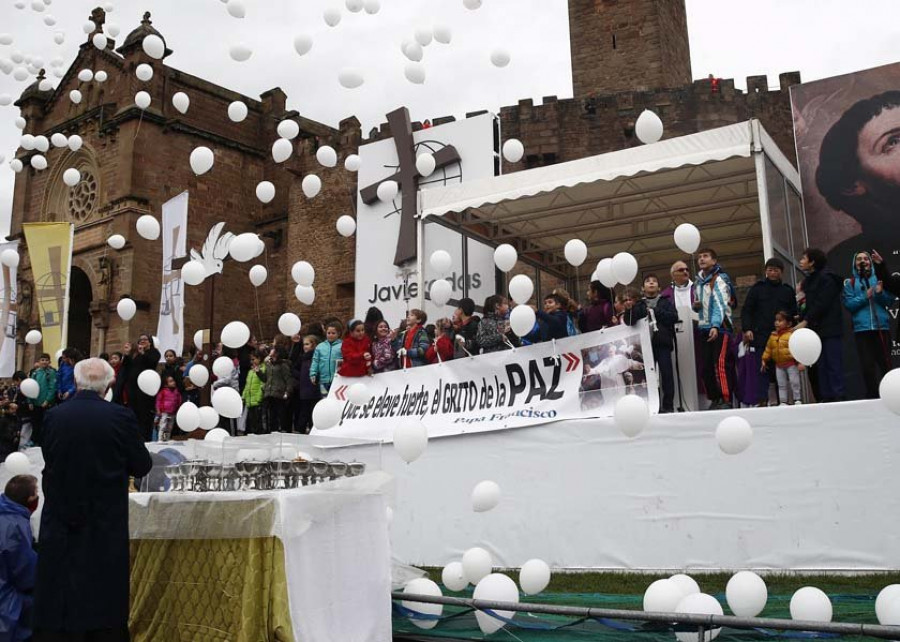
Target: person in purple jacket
[{"x": 599, "y": 312}]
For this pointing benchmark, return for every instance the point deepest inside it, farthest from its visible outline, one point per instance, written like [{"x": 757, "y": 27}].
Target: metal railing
[{"x": 704, "y": 623}]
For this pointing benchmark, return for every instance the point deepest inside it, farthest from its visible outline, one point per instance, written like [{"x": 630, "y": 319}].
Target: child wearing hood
[{"x": 778, "y": 350}]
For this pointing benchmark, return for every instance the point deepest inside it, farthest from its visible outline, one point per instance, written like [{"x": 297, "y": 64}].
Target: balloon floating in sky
[
  {"x": 332, "y": 16},
  {"x": 500, "y": 58},
  {"x": 148, "y": 227},
  {"x": 202, "y": 160},
  {"x": 237, "y": 111},
  {"x": 687, "y": 238},
  {"x": 326, "y": 156},
  {"x": 142, "y": 100},
  {"x": 126, "y": 309},
  {"x": 71, "y": 177},
  {"x": 505, "y": 257},
  {"x": 144, "y": 72},
  {"x": 311, "y": 185},
  {"x": 415, "y": 73},
  {"x": 302, "y": 44},
  {"x": 240, "y": 52},
  {"x": 236, "y": 9},
  {"x": 513, "y": 150},
  {"x": 472, "y": 4},
  {"x": 346, "y": 226},
  {"x": 649, "y": 127},
  {"x": 350, "y": 78},
  {"x": 351, "y": 163},
  {"x": 154, "y": 46},
  {"x": 265, "y": 192},
  {"x": 288, "y": 129},
  {"x": 116, "y": 241},
  {"x": 181, "y": 102},
  {"x": 282, "y": 150},
  {"x": 258, "y": 275}
]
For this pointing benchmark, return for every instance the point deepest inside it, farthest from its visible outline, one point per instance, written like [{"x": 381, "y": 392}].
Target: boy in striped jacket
[{"x": 714, "y": 298}]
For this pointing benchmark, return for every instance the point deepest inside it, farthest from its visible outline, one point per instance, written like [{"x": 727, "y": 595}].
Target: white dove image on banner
[
  {"x": 170, "y": 330},
  {"x": 8, "y": 314},
  {"x": 575, "y": 378}
]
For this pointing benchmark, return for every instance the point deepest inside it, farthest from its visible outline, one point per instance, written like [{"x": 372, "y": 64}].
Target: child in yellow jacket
[{"x": 778, "y": 349}]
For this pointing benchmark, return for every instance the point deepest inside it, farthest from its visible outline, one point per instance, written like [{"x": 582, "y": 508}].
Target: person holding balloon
[
  {"x": 138, "y": 358},
  {"x": 46, "y": 377}
]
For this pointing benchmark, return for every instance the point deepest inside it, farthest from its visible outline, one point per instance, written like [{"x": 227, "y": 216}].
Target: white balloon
[
  {"x": 305, "y": 294},
  {"x": 513, "y": 150},
  {"x": 534, "y": 576},
  {"x": 223, "y": 367},
  {"x": 143, "y": 72},
  {"x": 372, "y": 6},
  {"x": 289, "y": 324},
  {"x": 30, "y": 388},
  {"x": 39, "y": 162},
  {"x": 202, "y": 160},
  {"x": 243, "y": 247},
  {"x": 500, "y": 58},
  {"x": 441, "y": 261},
  {"x": 521, "y": 288},
  {"x": 387, "y": 191},
  {"x": 686, "y": 583},
  {"x": 805, "y": 346},
  {"x": 75, "y": 96},
  {"x": 440, "y": 292},
  {"x": 148, "y": 227},
  {"x": 350, "y": 78},
  {"x": 311, "y": 185},
  {"x": 352, "y": 163},
  {"x": 443, "y": 34},
  {"x": 181, "y": 101},
  {"x": 424, "y": 36},
  {"x": 126, "y": 309},
  {"x": 888, "y": 595},
  {"x": 18, "y": 464},
  {"x": 746, "y": 594},
  {"x": 71, "y": 177},
  {"x": 505, "y": 257},
  {"x": 662, "y": 596},
  {"x": 303, "y": 273},
  {"x": 188, "y": 416},
  {"x": 218, "y": 435},
  {"x": 891, "y": 613},
  {"x": 498, "y": 588},
  {"x": 288, "y": 129},
  {"x": 235, "y": 334},
  {"x": 605, "y": 273},
  {"x": 154, "y": 46},
  {"x": 687, "y": 238},
  {"x": 237, "y": 111},
  {"x": 327, "y": 413},
  {"x": 101, "y": 76},
  {"x": 302, "y": 44},
  {"x": 477, "y": 564},
  {"x": 359, "y": 394},
  {"x": 265, "y": 192},
  {"x": 236, "y": 9},
  {"x": 20, "y": 122},
  {"x": 649, "y": 127},
  {"x": 42, "y": 144},
  {"x": 6, "y": 39},
  {"x": 485, "y": 496},
  {"x": 522, "y": 320},
  {"x": 346, "y": 226},
  {"x": 193, "y": 272},
  {"x": 209, "y": 418},
  {"x": 576, "y": 252},
  {"x": 258, "y": 275},
  {"x": 624, "y": 267},
  {"x": 240, "y": 52},
  {"x": 423, "y": 586},
  {"x": 149, "y": 382},
  {"x": 33, "y": 337},
  {"x": 326, "y": 156},
  {"x": 415, "y": 73},
  {"x": 810, "y": 603},
  {"x": 199, "y": 374},
  {"x": 425, "y": 165},
  {"x": 282, "y": 150},
  {"x": 59, "y": 140},
  {"x": 699, "y": 604},
  {"x": 734, "y": 435},
  {"x": 410, "y": 440},
  {"x": 453, "y": 577},
  {"x": 227, "y": 402},
  {"x": 142, "y": 100},
  {"x": 26, "y": 142},
  {"x": 889, "y": 391},
  {"x": 99, "y": 40},
  {"x": 354, "y": 6},
  {"x": 86, "y": 75},
  {"x": 16, "y": 165},
  {"x": 632, "y": 415},
  {"x": 332, "y": 16},
  {"x": 75, "y": 142},
  {"x": 9, "y": 258}
]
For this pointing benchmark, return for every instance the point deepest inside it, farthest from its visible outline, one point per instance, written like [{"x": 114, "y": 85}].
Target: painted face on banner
[{"x": 879, "y": 152}]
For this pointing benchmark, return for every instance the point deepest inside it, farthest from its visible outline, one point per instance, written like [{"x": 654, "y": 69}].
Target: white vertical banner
[
  {"x": 170, "y": 330},
  {"x": 8, "y": 313}
]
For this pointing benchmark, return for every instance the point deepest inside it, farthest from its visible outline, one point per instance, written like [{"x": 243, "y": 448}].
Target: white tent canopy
[{"x": 722, "y": 180}]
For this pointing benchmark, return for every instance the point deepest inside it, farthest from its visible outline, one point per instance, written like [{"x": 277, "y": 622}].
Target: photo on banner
[
  {"x": 170, "y": 329},
  {"x": 8, "y": 313},
  {"x": 50, "y": 253}
]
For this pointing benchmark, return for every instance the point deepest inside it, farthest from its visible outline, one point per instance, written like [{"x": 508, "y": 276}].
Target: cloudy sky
[{"x": 731, "y": 38}]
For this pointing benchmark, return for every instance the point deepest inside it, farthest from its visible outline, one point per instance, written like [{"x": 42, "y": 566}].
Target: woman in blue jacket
[{"x": 868, "y": 303}]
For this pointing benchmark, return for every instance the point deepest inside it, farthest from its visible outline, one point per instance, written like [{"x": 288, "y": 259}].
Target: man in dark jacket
[
  {"x": 891, "y": 280},
  {"x": 17, "y": 557},
  {"x": 822, "y": 313},
  {"x": 662, "y": 333},
  {"x": 765, "y": 298},
  {"x": 91, "y": 448},
  {"x": 138, "y": 358}
]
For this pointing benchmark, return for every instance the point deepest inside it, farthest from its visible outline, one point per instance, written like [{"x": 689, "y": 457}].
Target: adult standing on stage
[
  {"x": 91, "y": 448},
  {"x": 137, "y": 359}
]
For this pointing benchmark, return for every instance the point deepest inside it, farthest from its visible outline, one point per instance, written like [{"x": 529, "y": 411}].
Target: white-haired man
[{"x": 91, "y": 448}]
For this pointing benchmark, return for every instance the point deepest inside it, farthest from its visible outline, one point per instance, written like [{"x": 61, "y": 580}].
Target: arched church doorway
[{"x": 80, "y": 322}]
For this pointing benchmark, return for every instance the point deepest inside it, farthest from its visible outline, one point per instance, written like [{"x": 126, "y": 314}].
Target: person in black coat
[
  {"x": 890, "y": 280},
  {"x": 137, "y": 359},
  {"x": 306, "y": 394},
  {"x": 822, "y": 312},
  {"x": 765, "y": 298},
  {"x": 662, "y": 336},
  {"x": 90, "y": 450}
]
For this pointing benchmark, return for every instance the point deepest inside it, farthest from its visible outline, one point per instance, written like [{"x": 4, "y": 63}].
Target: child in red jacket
[
  {"x": 443, "y": 344},
  {"x": 356, "y": 351}
]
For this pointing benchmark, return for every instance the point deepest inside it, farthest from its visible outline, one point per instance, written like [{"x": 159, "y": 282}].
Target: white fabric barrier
[{"x": 816, "y": 490}]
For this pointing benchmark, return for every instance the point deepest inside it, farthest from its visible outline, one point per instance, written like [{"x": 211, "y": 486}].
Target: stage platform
[{"x": 816, "y": 490}]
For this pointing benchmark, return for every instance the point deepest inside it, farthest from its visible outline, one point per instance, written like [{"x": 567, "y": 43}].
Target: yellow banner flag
[{"x": 50, "y": 251}]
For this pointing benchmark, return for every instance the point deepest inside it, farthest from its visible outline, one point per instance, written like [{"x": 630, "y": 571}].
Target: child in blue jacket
[{"x": 325, "y": 358}]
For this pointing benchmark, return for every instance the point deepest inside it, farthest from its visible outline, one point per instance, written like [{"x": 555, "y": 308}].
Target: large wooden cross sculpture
[{"x": 407, "y": 177}]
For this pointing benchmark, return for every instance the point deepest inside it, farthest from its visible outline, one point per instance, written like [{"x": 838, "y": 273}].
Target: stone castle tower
[{"x": 625, "y": 45}]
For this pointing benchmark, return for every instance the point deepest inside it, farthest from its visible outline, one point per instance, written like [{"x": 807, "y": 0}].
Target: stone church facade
[{"x": 627, "y": 56}]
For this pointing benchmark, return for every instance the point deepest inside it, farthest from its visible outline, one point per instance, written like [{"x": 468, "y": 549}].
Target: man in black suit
[{"x": 91, "y": 448}]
